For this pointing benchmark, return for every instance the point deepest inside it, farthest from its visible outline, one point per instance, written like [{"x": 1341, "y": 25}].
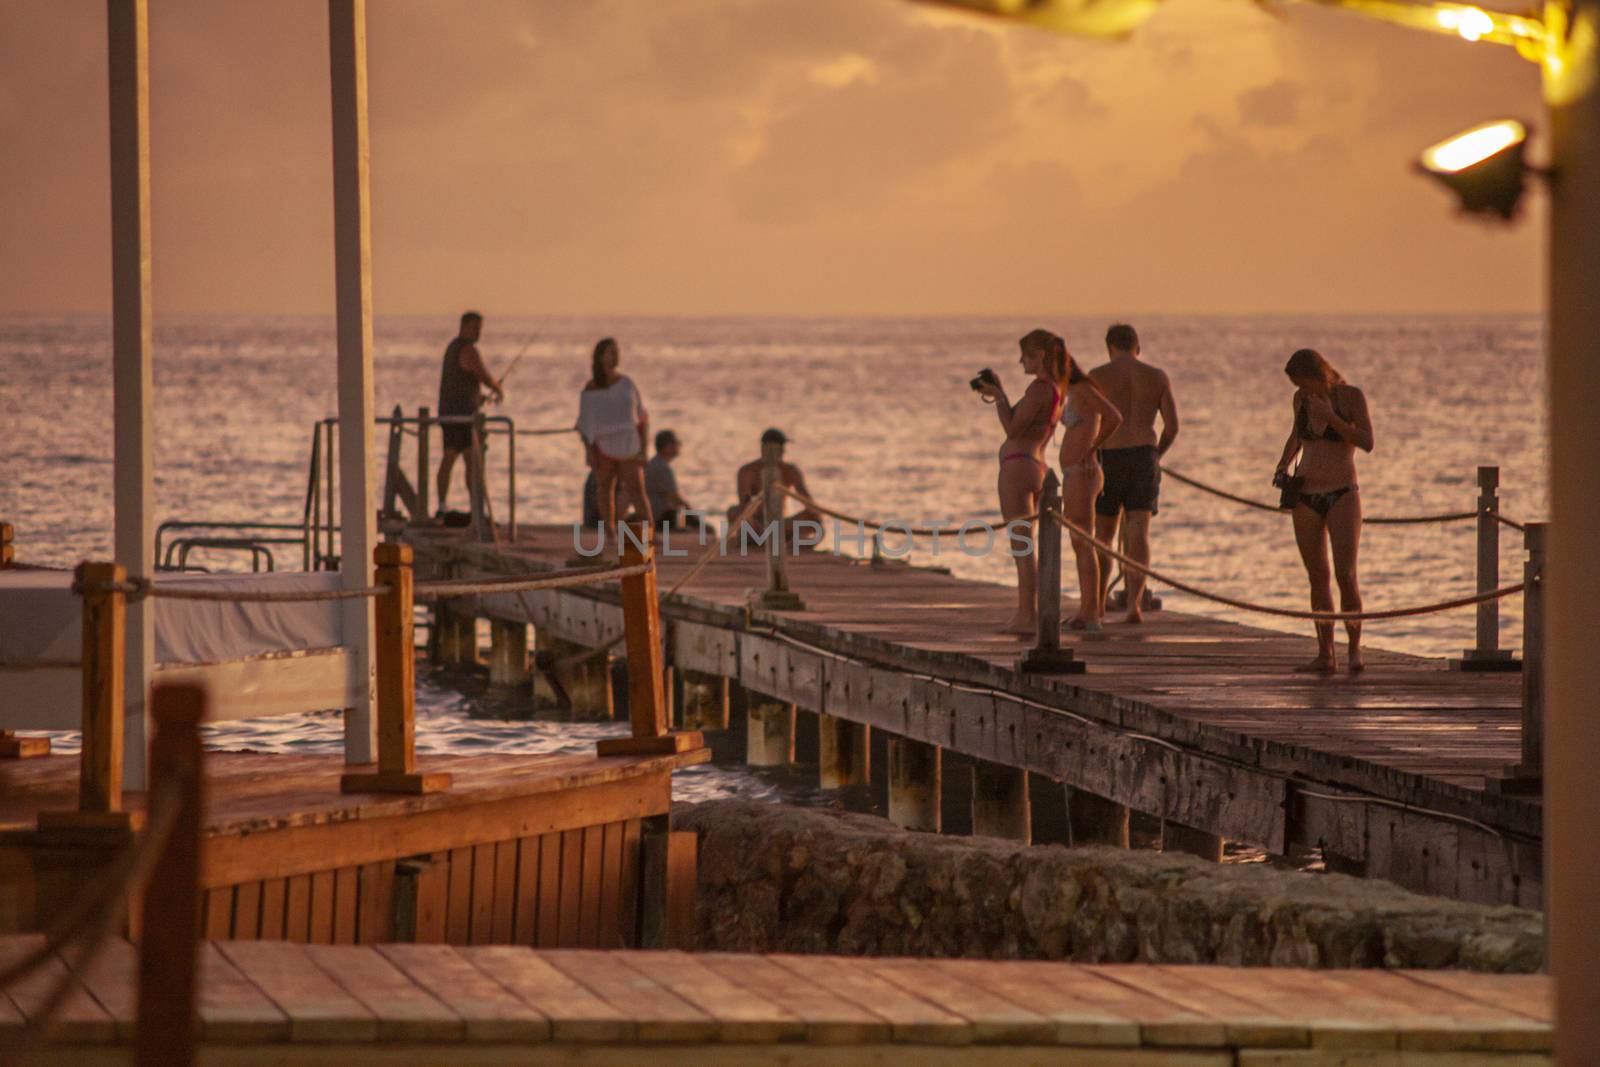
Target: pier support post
[
  {"x": 1094, "y": 820},
  {"x": 397, "y": 686},
  {"x": 1488, "y": 655},
  {"x": 844, "y": 753},
  {"x": 1000, "y": 805},
  {"x": 508, "y": 654},
  {"x": 703, "y": 699},
  {"x": 1527, "y": 775},
  {"x": 455, "y": 637},
  {"x": 583, "y": 673},
  {"x": 914, "y": 785},
  {"x": 1047, "y": 656},
  {"x": 769, "y": 741},
  {"x": 1178, "y": 838},
  {"x": 777, "y": 596}
]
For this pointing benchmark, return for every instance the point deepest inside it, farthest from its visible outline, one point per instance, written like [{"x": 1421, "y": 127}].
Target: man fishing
[{"x": 461, "y": 380}]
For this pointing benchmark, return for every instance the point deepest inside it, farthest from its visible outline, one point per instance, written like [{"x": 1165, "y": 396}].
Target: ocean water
[{"x": 883, "y": 423}]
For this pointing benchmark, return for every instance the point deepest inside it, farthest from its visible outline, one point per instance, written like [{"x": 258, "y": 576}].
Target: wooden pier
[
  {"x": 1201, "y": 722},
  {"x": 419, "y": 1005}
]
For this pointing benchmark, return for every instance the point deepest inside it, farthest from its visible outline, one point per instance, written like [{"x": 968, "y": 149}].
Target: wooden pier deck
[
  {"x": 1200, "y": 721},
  {"x": 284, "y": 1004}
]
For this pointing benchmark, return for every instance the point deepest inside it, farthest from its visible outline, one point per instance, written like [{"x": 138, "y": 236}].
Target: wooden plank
[
  {"x": 827, "y": 1017},
  {"x": 611, "y": 920},
  {"x": 1245, "y": 1024},
  {"x": 569, "y": 933},
  {"x": 1472, "y": 1025},
  {"x": 994, "y": 1016},
  {"x": 592, "y": 887},
  {"x": 910, "y": 1017},
  {"x": 404, "y": 1010},
  {"x": 218, "y": 918},
  {"x": 458, "y": 908},
  {"x": 247, "y": 912},
  {"x": 525, "y": 924},
  {"x": 549, "y": 922},
  {"x": 1532, "y": 995},
  {"x": 322, "y": 891},
  {"x": 505, "y": 893},
  {"x": 632, "y": 838},
  {"x": 375, "y": 907},
  {"x": 483, "y": 868},
  {"x": 741, "y": 1014},
  {"x": 1071, "y": 1019},
  {"x": 433, "y": 899},
  {"x": 297, "y": 909},
  {"x": 274, "y": 893},
  {"x": 658, "y": 1014},
  {"x": 346, "y": 891},
  {"x": 317, "y": 1007},
  {"x": 1334, "y": 1020},
  {"x": 231, "y": 1007},
  {"x": 112, "y": 979},
  {"x": 575, "y": 1013},
  {"x": 80, "y": 1018},
  {"x": 488, "y": 1009}
]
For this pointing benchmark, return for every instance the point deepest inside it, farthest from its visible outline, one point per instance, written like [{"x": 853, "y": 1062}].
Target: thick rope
[
  {"x": 894, "y": 527},
  {"x": 1288, "y": 613},
  {"x": 551, "y": 580},
  {"x": 1374, "y": 520}
]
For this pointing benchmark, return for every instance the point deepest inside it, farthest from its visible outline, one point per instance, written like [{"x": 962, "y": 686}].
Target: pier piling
[
  {"x": 915, "y": 783},
  {"x": 843, "y": 753},
  {"x": 1094, "y": 820},
  {"x": 1000, "y": 805},
  {"x": 1176, "y": 837},
  {"x": 769, "y": 741},
  {"x": 587, "y": 681},
  {"x": 702, "y": 699},
  {"x": 508, "y": 654}
]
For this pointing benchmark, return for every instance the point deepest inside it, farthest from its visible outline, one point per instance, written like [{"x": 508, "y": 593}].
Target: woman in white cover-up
[{"x": 614, "y": 426}]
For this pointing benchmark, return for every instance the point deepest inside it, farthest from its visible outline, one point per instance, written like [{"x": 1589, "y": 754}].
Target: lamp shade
[{"x": 1483, "y": 166}]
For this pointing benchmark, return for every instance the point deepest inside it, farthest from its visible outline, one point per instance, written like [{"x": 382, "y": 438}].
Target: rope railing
[
  {"x": 552, "y": 580},
  {"x": 1371, "y": 520},
  {"x": 1288, "y": 613},
  {"x": 894, "y": 527},
  {"x": 90, "y": 920}
]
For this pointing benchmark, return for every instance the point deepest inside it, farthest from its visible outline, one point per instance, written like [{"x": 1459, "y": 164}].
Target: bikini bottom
[{"x": 1322, "y": 503}]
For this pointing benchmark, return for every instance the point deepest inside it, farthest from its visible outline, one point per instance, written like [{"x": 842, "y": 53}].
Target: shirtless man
[
  {"x": 462, "y": 379},
  {"x": 1132, "y": 455},
  {"x": 748, "y": 484}
]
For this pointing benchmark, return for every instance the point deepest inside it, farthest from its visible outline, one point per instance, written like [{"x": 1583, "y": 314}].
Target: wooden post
[
  {"x": 508, "y": 654},
  {"x": 769, "y": 736},
  {"x": 397, "y": 686},
  {"x": 1527, "y": 775},
  {"x": 1488, "y": 655},
  {"x": 352, "y": 239},
  {"x": 1000, "y": 804},
  {"x": 1094, "y": 820},
  {"x": 1572, "y": 596},
  {"x": 914, "y": 785},
  {"x": 128, "y": 51},
  {"x": 424, "y": 463},
  {"x": 777, "y": 596},
  {"x": 1178, "y": 838},
  {"x": 169, "y": 946},
  {"x": 8, "y": 555},
  {"x": 704, "y": 699},
  {"x": 844, "y": 752},
  {"x": 641, "y": 622},
  {"x": 1047, "y": 656}
]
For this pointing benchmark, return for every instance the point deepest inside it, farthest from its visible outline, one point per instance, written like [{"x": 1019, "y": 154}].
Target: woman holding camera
[
  {"x": 1090, "y": 417},
  {"x": 1028, "y": 425},
  {"x": 1330, "y": 423},
  {"x": 614, "y": 427}
]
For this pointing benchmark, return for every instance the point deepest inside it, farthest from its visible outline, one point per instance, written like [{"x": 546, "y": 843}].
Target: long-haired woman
[
  {"x": 1028, "y": 425},
  {"x": 614, "y": 426},
  {"x": 1089, "y": 418},
  {"x": 1330, "y": 422}
]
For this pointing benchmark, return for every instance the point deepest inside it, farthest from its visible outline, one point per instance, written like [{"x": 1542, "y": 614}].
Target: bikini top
[
  {"x": 1302, "y": 423},
  {"x": 1054, "y": 412}
]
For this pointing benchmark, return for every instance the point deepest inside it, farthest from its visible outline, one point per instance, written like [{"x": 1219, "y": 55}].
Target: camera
[
  {"x": 985, "y": 377},
  {"x": 1280, "y": 479}
]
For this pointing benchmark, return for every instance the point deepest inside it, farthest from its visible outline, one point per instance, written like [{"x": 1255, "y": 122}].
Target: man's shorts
[
  {"x": 457, "y": 435},
  {"x": 1133, "y": 480}
]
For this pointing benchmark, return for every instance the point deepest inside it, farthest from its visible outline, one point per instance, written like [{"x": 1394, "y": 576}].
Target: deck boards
[{"x": 665, "y": 1004}]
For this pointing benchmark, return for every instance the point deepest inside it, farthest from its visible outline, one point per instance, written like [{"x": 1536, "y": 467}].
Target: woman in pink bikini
[
  {"x": 1088, "y": 420},
  {"x": 1029, "y": 424}
]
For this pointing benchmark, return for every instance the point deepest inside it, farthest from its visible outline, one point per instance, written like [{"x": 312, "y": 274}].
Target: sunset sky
[{"x": 768, "y": 157}]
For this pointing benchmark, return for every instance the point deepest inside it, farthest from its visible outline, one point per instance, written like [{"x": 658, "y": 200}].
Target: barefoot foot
[
  {"x": 1134, "y": 618},
  {"x": 1320, "y": 665},
  {"x": 1354, "y": 663},
  {"x": 1020, "y": 625}
]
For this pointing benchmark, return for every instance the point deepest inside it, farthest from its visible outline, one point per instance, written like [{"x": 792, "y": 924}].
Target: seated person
[
  {"x": 748, "y": 486},
  {"x": 661, "y": 486}
]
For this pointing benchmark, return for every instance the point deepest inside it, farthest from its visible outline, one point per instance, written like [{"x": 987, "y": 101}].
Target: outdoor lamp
[{"x": 1484, "y": 166}]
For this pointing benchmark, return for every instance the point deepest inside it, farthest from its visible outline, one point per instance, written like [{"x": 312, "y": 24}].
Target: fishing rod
[{"x": 516, "y": 359}]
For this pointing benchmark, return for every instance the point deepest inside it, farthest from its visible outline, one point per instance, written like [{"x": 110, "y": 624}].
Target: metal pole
[
  {"x": 128, "y": 39},
  {"x": 1529, "y": 774},
  {"x": 1572, "y": 596},
  {"x": 424, "y": 432},
  {"x": 358, "y": 533}
]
